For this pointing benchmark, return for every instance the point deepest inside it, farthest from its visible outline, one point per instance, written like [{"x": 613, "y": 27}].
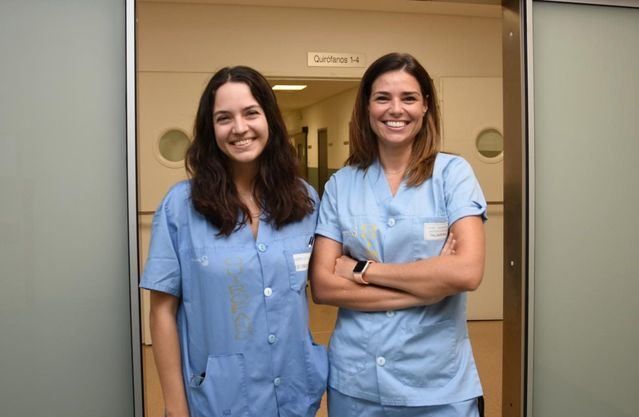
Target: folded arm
[
  {"x": 436, "y": 277},
  {"x": 328, "y": 287}
]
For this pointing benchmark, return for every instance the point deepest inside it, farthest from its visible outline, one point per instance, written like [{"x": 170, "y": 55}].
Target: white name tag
[
  {"x": 435, "y": 231},
  {"x": 301, "y": 261}
]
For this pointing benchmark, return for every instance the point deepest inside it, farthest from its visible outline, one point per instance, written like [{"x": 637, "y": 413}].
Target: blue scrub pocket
[
  {"x": 348, "y": 349},
  {"x": 431, "y": 234},
  {"x": 222, "y": 390},
  {"x": 426, "y": 356},
  {"x": 316, "y": 371},
  {"x": 297, "y": 260}
]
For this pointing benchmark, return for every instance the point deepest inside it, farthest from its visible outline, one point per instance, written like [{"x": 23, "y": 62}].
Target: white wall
[
  {"x": 334, "y": 114},
  {"x": 165, "y": 101},
  {"x": 203, "y": 38},
  {"x": 181, "y": 45},
  {"x": 470, "y": 105},
  {"x": 293, "y": 120}
]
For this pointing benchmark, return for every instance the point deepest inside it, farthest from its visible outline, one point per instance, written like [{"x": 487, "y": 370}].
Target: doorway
[
  {"x": 168, "y": 86},
  {"x": 322, "y": 160},
  {"x": 300, "y": 143}
]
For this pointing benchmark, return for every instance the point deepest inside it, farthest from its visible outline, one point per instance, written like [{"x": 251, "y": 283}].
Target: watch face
[{"x": 359, "y": 266}]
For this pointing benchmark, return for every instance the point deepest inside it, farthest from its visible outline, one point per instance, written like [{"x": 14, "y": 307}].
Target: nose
[
  {"x": 239, "y": 126},
  {"x": 395, "y": 106}
]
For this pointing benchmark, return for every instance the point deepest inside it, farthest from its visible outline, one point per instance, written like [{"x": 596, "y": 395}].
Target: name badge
[
  {"x": 435, "y": 231},
  {"x": 301, "y": 261}
]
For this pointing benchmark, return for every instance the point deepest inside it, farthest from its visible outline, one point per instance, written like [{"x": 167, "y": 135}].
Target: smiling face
[
  {"x": 240, "y": 125},
  {"x": 396, "y": 109}
]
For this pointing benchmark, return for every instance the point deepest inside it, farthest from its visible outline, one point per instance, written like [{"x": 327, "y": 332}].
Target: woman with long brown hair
[
  {"x": 228, "y": 262},
  {"x": 400, "y": 345}
]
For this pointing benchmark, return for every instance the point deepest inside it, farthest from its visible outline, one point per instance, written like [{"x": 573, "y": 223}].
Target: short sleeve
[
  {"x": 462, "y": 192},
  {"x": 162, "y": 268},
  {"x": 327, "y": 223}
]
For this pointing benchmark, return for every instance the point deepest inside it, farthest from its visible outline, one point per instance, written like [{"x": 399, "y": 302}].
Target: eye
[
  {"x": 253, "y": 112},
  {"x": 222, "y": 118},
  {"x": 410, "y": 99},
  {"x": 380, "y": 99}
]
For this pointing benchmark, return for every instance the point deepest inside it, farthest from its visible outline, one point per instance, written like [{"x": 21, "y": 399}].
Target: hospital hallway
[{"x": 485, "y": 336}]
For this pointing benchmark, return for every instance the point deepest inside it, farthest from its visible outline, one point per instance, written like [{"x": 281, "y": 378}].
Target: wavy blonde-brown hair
[{"x": 364, "y": 147}]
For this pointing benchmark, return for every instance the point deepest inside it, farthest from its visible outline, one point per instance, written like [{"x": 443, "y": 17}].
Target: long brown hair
[
  {"x": 283, "y": 195},
  {"x": 364, "y": 149}
]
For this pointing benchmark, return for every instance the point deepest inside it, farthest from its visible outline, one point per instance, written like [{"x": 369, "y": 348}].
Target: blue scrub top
[
  {"x": 418, "y": 356},
  {"x": 243, "y": 314}
]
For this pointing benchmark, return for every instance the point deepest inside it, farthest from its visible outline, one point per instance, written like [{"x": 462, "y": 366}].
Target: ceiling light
[{"x": 288, "y": 87}]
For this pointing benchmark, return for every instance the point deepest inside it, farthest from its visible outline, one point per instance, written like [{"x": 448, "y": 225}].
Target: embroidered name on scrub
[
  {"x": 203, "y": 260},
  {"x": 301, "y": 261},
  {"x": 435, "y": 231},
  {"x": 239, "y": 298},
  {"x": 369, "y": 235}
]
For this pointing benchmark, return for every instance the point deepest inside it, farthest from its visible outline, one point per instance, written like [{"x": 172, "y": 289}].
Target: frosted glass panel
[
  {"x": 586, "y": 320},
  {"x": 65, "y": 343}
]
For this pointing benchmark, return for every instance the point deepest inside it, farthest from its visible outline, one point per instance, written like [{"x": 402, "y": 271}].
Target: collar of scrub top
[{"x": 377, "y": 181}]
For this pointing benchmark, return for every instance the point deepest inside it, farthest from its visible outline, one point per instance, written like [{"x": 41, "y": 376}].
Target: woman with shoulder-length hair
[
  {"x": 228, "y": 262},
  {"x": 385, "y": 255}
]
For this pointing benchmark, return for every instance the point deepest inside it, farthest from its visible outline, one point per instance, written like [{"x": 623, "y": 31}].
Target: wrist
[{"x": 360, "y": 270}]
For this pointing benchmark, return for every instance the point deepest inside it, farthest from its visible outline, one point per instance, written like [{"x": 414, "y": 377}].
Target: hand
[
  {"x": 344, "y": 267},
  {"x": 449, "y": 246}
]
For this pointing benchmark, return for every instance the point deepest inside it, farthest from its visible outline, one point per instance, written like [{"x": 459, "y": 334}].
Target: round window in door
[
  {"x": 489, "y": 144},
  {"x": 171, "y": 148}
]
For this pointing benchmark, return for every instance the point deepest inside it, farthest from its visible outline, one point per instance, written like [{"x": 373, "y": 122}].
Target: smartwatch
[{"x": 359, "y": 270}]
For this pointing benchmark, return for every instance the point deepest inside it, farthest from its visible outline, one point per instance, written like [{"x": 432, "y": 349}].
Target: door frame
[
  {"x": 516, "y": 200},
  {"x": 517, "y": 203},
  {"x": 519, "y": 200},
  {"x": 132, "y": 209},
  {"x": 513, "y": 194},
  {"x": 322, "y": 151}
]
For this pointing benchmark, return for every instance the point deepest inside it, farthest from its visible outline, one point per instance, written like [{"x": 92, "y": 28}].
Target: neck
[{"x": 394, "y": 160}]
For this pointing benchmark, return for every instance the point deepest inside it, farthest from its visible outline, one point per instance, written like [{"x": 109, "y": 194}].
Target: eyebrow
[
  {"x": 403, "y": 93},
  {"x": 254, "y": 106}
]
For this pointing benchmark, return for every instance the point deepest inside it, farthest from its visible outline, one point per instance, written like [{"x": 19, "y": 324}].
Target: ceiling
[
  {"x": 316, "y": 91},
  {"x": 484, "y": 8}
]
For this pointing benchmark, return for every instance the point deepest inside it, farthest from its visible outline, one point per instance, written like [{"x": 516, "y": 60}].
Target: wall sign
[{"x": 335, "y": 59}]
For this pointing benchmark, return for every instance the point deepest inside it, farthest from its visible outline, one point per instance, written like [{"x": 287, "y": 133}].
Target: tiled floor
[{"x": 486, "y": 338}]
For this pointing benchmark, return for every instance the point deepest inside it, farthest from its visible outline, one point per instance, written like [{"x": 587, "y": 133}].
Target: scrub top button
[
  {"x": 390, "y": 313},
  {"x": 391, "y": 222},
  {"x": 381, "y": 361},
  {"x": 261, "y": 247},
  {"x": 277, "y": 381},
  {"x": 268, "y": 291},
  {"x": 271, "y": 338}
]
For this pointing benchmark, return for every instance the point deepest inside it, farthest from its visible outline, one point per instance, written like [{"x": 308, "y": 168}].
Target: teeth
[
  {"x": 241, "y": 142},
  {"x": 395, "y": 123}
]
